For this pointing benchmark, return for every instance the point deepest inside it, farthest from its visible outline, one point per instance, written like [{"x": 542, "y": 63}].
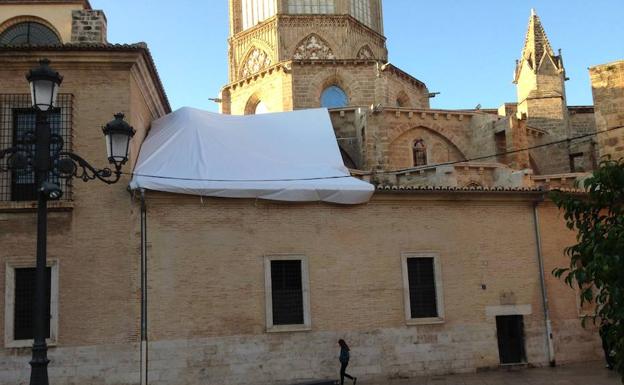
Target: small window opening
[
  {"x": 420, "y": 153},
  {"x": 334, "y": 97}
]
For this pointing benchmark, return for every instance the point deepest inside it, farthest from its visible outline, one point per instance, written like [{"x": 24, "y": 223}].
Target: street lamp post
[{"x": 44, "y": 85}]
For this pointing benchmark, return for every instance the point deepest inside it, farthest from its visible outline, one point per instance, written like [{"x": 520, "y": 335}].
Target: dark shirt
[{"x": 344, "y": 355}]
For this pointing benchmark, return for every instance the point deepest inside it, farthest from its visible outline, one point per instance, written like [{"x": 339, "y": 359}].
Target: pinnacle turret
[{"x": 537, "y": 47}]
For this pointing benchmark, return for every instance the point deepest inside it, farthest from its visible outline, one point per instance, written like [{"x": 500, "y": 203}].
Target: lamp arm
[
  {"x": 10, "y": 153},
  {"x": 85, "y": 171}
]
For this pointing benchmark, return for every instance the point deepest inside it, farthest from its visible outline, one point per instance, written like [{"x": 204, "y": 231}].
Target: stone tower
[
  {"x": 290, "y": 54},
  {"x": 540, "y": 78}
]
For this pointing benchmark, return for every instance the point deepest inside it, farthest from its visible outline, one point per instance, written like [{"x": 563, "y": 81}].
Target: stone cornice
[
  {"x": 284, "y": 66},
  {"x": 88, "y": 55},
  {"x": 402, "y": 74}
]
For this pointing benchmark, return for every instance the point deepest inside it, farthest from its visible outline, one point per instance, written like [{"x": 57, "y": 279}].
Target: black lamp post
[{"x": 44, "y": 85}]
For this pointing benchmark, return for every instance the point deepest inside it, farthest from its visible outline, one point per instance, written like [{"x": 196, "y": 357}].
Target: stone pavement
[{"x": 592, "y": 373}]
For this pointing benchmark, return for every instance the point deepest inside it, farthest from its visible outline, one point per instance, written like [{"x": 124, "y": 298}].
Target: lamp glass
[
  {"x": 117, "y": 146},
  {"x": 43, "y": 93}
]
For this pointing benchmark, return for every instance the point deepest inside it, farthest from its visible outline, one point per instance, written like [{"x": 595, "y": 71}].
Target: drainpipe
[
  {"x": 540, "y": 258},
  {"x": 144, "y": 350}
]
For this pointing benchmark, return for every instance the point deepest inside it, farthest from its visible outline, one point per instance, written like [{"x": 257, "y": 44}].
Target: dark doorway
[{"x": 510, "y": 331}]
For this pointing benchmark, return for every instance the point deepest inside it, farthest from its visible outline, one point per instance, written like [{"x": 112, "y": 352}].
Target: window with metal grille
[
  {"x": 287, "y": 292},
  {"x": 24, "y": 303},
  {"x": 17, "y": 119},
  {"x": 422, "y": 287},
  {"x": 29, "y": 33}
]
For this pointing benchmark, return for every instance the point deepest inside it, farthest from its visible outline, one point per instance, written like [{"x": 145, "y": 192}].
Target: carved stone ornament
[
  {"x": 313, "y": 48},
  {"x": 256, "y": 61},
  {"x": 365, "y": 53}
]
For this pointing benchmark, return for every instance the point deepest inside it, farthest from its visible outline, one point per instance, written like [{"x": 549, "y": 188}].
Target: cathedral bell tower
[{"x": 283, "y": 54}]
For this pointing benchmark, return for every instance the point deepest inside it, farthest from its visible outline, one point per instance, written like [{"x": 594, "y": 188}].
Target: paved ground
[{"x": 593, "y": 373}]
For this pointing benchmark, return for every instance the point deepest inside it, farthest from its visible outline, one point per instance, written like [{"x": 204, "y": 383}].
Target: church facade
[
  {"x": 334, "y": 55},
  {"x": 445, "y": 270}
]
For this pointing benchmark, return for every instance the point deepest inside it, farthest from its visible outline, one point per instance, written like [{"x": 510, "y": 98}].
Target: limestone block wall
[
  {"x": 401, "y": 90},
  {"x": 357, "y": 79},
  {"x": 342, "y": 34},
  {"x": 287, "y": 37},
  {"x": 390, "y": 130},
  {"x": 438, "y": 148},
  {"x": 608, "y": 91},
  {"x": 88, "y": 26},
  {"x": 273, "y": 87}
]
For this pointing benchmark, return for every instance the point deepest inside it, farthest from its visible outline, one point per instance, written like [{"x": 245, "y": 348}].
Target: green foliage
[{"x": 597, "y": 260}]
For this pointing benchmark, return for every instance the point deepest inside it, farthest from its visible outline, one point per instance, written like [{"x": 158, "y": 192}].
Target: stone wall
[
  {"x": 273, "y": 87},
  {"x": 207, "y": 255},
  {"x": 608, "y": 91},
  {"x": 88, "y": 26},
  {"x": 206, "y": 287}
]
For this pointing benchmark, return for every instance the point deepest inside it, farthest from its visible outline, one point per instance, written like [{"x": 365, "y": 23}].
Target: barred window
[
  {"x": 17, "y": 120},
  {"x": 256, "y": 11},
  {"x": 23, "y": 316},
  {"x": 19, "y": 304},
  {"x": 361, "y": 10},
  {"x": 423, "y": 289},
  {"x": 311, "y": 6},
  {"x": 287, "y": 293}
]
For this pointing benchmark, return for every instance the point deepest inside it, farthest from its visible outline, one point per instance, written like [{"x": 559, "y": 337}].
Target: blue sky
[{"x": 464, "y": 49}]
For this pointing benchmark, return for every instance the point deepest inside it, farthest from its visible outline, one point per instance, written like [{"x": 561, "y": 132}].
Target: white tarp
[{"x": 290, "y": 156}]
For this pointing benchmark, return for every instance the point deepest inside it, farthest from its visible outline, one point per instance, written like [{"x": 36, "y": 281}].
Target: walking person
[{"x": 344, "y": 362}]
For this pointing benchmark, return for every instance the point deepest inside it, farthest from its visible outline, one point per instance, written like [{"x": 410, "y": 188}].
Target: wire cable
[{"x": 557, "y": 142}]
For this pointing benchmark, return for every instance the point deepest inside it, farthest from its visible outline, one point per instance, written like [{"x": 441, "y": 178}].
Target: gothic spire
[{"x": 536, "y": 43}]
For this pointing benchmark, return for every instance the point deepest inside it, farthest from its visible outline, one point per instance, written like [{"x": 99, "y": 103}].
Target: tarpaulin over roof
[{"x": 290, "y": 156}]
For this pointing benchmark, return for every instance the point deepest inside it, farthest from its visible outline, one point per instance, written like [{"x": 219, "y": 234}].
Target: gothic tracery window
[
  {"x": 311, "y": 6},
  {"x": 256, "y": 61},
  {"x": 365, "y": 53},
  {"x": 29, "y": 33},
  {"x": 313, "y": 48},
  {"x": 419, "y": 153}
]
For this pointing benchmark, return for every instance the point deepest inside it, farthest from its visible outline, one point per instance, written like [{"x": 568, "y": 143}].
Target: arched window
[
  {"x": 420, "y": 153},
  {"x": 29, "y": 33},
  {"x": 402, "y": 99},
  {"x": 334, "y": 97},
  {"x": 261, "y": 108}
]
